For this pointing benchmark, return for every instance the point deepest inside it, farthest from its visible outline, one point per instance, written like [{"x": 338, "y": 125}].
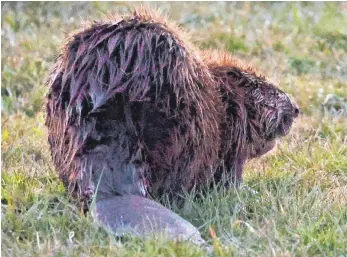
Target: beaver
[
  {"x": 134, "y": 109},
  {"x": 129, "y": 100},
  {"x": 256, "y": 113}
]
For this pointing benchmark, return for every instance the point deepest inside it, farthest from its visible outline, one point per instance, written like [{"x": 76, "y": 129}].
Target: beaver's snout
[
  {"x": 286, "y": 120},
  {"x": 296, "y": 110}
]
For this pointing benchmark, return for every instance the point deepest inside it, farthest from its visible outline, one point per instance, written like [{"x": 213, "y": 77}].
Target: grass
[{"x": 300, "y": 204}]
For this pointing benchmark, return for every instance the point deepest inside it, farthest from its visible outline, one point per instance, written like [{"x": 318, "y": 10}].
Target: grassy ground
[{"x": 301, "y": 205}]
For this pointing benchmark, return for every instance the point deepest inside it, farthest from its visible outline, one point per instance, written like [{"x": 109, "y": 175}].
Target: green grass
[{"x": 300, "y": 208}]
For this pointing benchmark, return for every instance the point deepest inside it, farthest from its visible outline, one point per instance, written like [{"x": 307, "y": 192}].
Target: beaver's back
[{"x": 140, "y": 76}]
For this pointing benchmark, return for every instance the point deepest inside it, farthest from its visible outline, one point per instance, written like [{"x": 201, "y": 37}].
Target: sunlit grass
[{"x": 295, "y": 199}]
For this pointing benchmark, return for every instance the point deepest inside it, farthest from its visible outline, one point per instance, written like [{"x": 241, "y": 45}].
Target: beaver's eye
[{"x": 231, "y": 73}]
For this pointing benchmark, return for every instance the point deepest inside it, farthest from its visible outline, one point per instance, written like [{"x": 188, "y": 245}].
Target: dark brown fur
[
  {"x": 256, "y": 113},
  {"x": 133, "y": 109},
  {"x": 130, "y": 106}
]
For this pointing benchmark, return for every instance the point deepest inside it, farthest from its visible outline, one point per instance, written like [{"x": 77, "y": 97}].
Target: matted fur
[
  {"x": 256, "y": 113},
  {"x": 130, "y": 106},
  {"x": 133, "y": 109}
]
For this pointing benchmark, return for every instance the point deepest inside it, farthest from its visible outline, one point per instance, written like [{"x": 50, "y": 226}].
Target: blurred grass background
[{"x": 300, "y": 208}]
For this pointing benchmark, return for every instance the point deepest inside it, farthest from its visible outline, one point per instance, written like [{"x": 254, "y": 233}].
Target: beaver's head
[
  {"x": 257, "y": 112},
  {"x": 264, "y": 112}
]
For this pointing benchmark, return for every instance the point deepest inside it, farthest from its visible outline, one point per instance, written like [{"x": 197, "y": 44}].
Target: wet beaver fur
[
  {"x": 256, "y": 113},
  {"x": 132, "y": 108}
]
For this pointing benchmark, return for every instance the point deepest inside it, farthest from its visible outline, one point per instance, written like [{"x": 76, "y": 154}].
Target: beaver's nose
[{"x": 296, "y": 110}]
